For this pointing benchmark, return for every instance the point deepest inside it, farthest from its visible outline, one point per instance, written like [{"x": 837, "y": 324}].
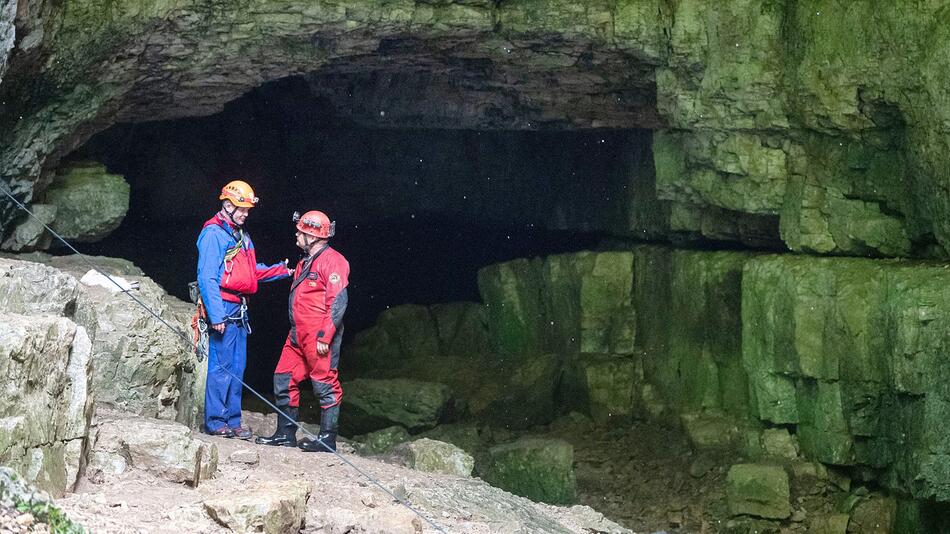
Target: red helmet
[
  {"x": 315, "y": 223},
  {"x": 239, "y": 193}
]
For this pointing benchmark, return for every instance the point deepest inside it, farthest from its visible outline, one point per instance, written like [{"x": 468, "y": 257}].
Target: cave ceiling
[{"x": 826, "y": 117}]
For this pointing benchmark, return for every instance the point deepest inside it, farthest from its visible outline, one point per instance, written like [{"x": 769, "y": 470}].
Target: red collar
[{"x": 224, "y": 221}]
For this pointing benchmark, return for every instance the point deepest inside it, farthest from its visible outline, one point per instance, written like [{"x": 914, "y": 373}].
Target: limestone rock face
[
  {"x": 434, "y": 456},
  {"x": 689, "y": 326},
  {"x": 273, "y": 508},
  {"x": 45, "y": 362},
  {"x": 375, "y": 404},
  {"x": 852, "y": 352},
  {"x": 539, "y": 469},
  {"x": 875, "y": 514},
  {"x": 139, "y": 365},
  {"x": 90, "y": 203},
  {"x": 139, "y": 362},
  {"x": 566, "y": 303},
  {"x": 164, "y": 448}
]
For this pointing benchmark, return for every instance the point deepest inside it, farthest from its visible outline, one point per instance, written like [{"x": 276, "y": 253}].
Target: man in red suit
[{"x": 317, "y": 303}]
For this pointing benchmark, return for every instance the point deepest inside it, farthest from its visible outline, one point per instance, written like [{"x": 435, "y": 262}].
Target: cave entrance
[{"x": 419, "y": 210}]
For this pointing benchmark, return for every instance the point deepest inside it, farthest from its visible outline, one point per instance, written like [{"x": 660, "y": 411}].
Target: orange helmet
[
  {"x": 239, "y": 193},
  {"x": 315, "y": 223}
]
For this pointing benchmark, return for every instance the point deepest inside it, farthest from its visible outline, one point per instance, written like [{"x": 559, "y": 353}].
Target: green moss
[
  {"x": 512, "y": 293},
  {"x": 52, "y": 516}
]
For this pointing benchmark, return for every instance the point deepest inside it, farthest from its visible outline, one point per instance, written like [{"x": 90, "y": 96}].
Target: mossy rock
[
  {"x": 536, "y": 468},
  {"x": 758, "y": 490}
]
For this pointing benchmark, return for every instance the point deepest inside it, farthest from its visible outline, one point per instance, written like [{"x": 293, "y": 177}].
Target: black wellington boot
[
  {"x": 326, "y": 439},
  {"x": 286, "y": 433}
]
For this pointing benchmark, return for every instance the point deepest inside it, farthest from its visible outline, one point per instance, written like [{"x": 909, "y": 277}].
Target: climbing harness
[
  {"x": 241, "y": 316},
  {"x": 184, "y": 337}
]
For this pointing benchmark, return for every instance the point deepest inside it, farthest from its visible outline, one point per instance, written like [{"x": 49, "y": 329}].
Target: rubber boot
[
  {"x": 326, "y": 439},
  {"x": 286, "y": 433}
]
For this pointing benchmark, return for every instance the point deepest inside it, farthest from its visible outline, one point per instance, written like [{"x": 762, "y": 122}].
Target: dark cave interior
[{"x": 418, "y": 211}]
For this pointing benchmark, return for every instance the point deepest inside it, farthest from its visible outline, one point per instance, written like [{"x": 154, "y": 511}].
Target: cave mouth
[{"x": 418, "y": 211}]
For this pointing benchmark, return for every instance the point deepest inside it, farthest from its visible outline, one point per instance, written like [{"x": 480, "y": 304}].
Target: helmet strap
[
  {"x": 311, "y": 241},
  {"x": 230, "y": 214}
]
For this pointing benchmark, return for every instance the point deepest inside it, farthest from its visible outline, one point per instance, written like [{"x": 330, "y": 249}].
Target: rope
[{"x": 184, "y": 337}]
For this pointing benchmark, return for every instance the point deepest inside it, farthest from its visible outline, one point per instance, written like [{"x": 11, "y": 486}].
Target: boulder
[
  {"x": 710, "y": 430},
  {"x": 462, "y": 328},
  {"x": 778, "y": 443},
  {"x": 829, "y": 524},
  {"x": 875, "y": 514},
  {"x": 90, "y": 203},
  {"x": 433, "y": 456},
  {"x": 272, "y": 508},
  {"x": 15, "y": 490},
  {"x": 381, "y": 441},
  {"x": 165, "y": 449},
  {"x": 524, "y": 398},
  {"x": 758, "y": 490},
  {"x": 463, "y": 435},
  {"x": 140, "y": 363},
  {"x": 46, "y": 401},
  {"x": 370, "y": 405},
  {"x": 539, "y": 469},
  {"x": 31, "y": 234}
]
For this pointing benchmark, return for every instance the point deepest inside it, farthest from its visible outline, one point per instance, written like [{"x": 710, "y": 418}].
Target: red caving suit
[{"x": 317, "y": 302}]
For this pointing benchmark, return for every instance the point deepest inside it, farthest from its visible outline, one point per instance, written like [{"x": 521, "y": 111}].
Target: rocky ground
[
  {"x": 341, "y": 499},
  {"x": 645, "y": 477}
]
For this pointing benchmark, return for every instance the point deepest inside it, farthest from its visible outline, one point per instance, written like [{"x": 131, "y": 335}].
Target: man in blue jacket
[{"x": 227, "y": 272}]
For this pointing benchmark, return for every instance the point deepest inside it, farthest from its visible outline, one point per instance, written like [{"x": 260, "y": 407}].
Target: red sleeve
[
  {"x": 336, "y": 273},
  {"x": 272, "y": 272}
]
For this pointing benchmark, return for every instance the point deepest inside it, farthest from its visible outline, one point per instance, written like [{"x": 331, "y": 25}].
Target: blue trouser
[{"x": 227, "y": 356}]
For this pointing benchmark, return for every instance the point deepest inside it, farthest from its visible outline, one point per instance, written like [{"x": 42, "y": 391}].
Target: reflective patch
[{"x": 334, "y": 278}]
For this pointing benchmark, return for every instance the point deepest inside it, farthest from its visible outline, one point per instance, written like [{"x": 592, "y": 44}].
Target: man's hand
[
  {"x": 287, "y": 265},
  {"x": 322, "y": 348},
  {"x": 219, "y": 328}
]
